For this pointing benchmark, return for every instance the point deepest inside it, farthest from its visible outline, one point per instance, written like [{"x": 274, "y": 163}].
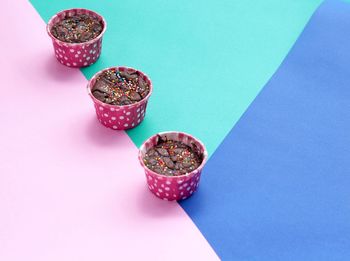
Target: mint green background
[{"x": 207, "y": 59}]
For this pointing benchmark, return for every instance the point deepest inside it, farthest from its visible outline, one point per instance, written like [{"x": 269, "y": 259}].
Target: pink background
[{"x": 71, "y": 189}]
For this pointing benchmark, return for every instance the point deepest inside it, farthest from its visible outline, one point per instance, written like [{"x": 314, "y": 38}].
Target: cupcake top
[
  {"x": 78, "y": 28},
  {"x": 120, "y": 87},
  {"x": 172, "y": 158}
]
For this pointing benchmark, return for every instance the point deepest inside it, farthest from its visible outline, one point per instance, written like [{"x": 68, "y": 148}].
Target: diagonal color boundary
[
  {"x": 207, "y": 60},
  {"x": 71, "y": 189},
  {"x": 277, "y": 188}
]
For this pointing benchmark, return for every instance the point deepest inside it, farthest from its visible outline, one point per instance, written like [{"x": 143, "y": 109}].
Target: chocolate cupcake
[
  {"x": 120, "y": 96},
  {"x": 172, "y": 158},
  {"x": 173, "y": 162},
  {"x": 77, "y": 36},
  {"x": 78, "y": 28},
  {"x": 117, "y": 87}
]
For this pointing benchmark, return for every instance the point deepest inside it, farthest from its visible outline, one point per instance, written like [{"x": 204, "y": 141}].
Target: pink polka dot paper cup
[
  {"x": 173, "y": 187},
  {"x": 121, "y": 117},
  {"x": 76, "y": 54}
]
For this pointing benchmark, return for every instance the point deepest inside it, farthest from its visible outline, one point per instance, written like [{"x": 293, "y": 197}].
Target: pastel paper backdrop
[
  {"x": 277, "y": 188},
  {"x": 207, "y": 59},
  {"x": 59, "y": 203},
  {"x": 71, "y": 189}
]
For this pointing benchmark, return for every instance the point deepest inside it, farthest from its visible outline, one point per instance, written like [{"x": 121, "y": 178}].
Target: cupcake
[
  {"x": 173, "y": 163},
  {"x": 120, "y": 96},
  {"x": 77, "y": 36}
]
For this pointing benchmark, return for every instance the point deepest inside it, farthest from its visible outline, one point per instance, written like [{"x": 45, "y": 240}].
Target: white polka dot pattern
[
  {"x": 76, "y": 54},
  {"x": 173, "y": 188},
  {"x": 116, "y": 119},
  {"x": 72, "y": 58},
  {"x": 120, "y": 117},
  {"x": 172, "y": 191}
]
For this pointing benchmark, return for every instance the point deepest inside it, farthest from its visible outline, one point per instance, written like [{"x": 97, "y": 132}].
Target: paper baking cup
[
  {"x": 76, "y": 54},
  {"x": 173, "y": 187},
  {"x": 120, "y": 117}
]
